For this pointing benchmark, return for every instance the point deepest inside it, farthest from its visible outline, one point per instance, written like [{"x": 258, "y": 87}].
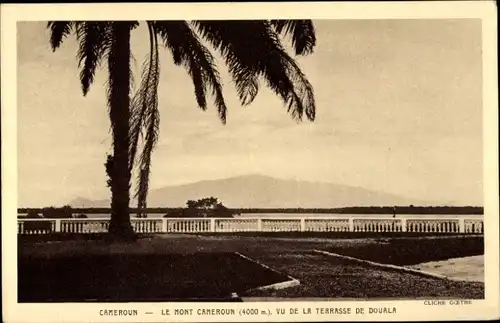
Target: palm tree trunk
[{"x": 119, "y": 110}]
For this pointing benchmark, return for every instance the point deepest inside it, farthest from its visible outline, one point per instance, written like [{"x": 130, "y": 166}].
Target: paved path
[{"x": 466, "y": 268}]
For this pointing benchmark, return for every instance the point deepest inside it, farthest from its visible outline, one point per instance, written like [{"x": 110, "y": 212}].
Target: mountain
[
  {"x": 81, "y": 202},
  {"x": 258, "y": 191}
]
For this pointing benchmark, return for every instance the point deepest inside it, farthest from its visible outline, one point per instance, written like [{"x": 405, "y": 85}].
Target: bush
[
  {"x": 33, "y": 215},
  {"x": 174, "y": 214},
  {"x": 222, "y": 212},
  {"x": 37, "y": 226},
  {"x": 66, "y": 212}
]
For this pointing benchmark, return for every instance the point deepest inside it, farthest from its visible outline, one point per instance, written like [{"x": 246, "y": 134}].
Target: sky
[{"x": 399, "y": 110}]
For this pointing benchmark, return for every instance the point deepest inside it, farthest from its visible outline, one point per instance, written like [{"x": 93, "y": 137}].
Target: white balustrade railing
[
  {"x": 457, "y": 225},
  {"x": 190, "y": 226},
  {"x": 377, "y": 225},
  {"x": 435, "y": 225},
  {"x": 473, "y": 226},
  {"x": 327, "y": 225},
  {"x": 237, "y": 225},
  {"x": 280, "y": 225}
]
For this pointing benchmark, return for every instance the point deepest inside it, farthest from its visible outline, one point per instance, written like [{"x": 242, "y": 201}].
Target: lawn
[
  {"x": 411, "y": 251},
  {"x": 320, "y": 275},
  {"x": 327, "y": 277},
  {"x": 139, "y": 278}
]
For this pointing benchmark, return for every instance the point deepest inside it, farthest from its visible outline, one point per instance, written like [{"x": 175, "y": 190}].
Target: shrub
[
  {"x": 32, "y": 214},
  {"x": 36, "y": 226},
  {"x": 66, "y": 212},
  {"x": 222, "y": 212}
]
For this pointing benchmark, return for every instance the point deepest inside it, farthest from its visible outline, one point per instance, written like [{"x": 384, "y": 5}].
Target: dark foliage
[
  {"x": 66, "y": 212},
  {"x": 202, "y": 208},
  {"x": 33, "y": 214},
  {"x": 37, "y": 226}
]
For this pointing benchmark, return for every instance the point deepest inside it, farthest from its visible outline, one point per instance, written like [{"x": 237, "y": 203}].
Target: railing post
[
  {"x": 212, "y": 225},
  {"x": 461, "y": 225},
  {"x": 302, "y": 224},
  {"x": 259, "y": 225},
  {"x": 164, "y": 225},
  {"x": 351, "y": 224},
  {"x": 404, "y": 225},
  {"x": 58, "y": 225}
]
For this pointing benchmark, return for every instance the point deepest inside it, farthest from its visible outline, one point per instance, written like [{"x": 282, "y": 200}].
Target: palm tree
[{"x": 252, "y": 50}]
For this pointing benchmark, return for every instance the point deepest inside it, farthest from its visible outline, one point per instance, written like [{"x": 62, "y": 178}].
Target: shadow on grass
[
  {"x": 38, "y": 238},
  {"x": 292, "y": 235},
  {"x": 139, "y": 278}
]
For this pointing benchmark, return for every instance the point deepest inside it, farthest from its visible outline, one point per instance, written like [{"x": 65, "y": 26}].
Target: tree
[
  {"x": 251, "y": 49},
  {"x": 205, "y": 203},
  {"x": 202, "y": 207},
  {"x": 205, "y": 207}
]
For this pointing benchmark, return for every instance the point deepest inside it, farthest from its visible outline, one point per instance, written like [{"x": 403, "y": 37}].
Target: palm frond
[
  {"x": 253, "y": 49},
  {"x": 146, "y": 97},
  {"x": 223, "y": 35},
  {"x": 150, "y": 140},
  {"x": 58, "y": 31},
  {"x": 187, "y": 50},
  {"x": 145, "y": 118},
  {"x": 93, "y": 38},
  {"x": 304, "y": 88},
  {"x": 302, "y": 33}
]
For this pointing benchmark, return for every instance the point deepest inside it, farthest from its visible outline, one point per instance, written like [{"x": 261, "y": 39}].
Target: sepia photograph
[{"x": 176, "y": 170}]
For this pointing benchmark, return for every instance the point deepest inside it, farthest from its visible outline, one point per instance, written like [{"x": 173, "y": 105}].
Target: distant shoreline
[
  {"x": 353, "y": 210},
  {"x": 306, "y": 215},
  {"x": 333, "y": 215}
]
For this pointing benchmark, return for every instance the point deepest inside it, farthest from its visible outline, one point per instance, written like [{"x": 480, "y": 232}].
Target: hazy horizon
[
  {"x": 133, "y": 201},
  {"x": 399, "y": 111}
]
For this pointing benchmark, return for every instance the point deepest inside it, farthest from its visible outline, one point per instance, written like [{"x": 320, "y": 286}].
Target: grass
[
  {"x": 139, "y": 278},
  {"x": 411, "y": 251},
  {"x": 53, "y": 237},
  {"x": 323, "y": 276},
  {"x": 320, "y": 275}
]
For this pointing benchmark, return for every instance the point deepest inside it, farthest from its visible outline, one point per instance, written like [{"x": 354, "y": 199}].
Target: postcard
[{"x": 256, "y": 162}]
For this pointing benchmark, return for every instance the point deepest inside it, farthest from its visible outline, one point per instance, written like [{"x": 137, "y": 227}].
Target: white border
[
  {"x": 406, "y": 310},
  {"x": 291, "y": 282},
  {"x": 387, "y": 266}
]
